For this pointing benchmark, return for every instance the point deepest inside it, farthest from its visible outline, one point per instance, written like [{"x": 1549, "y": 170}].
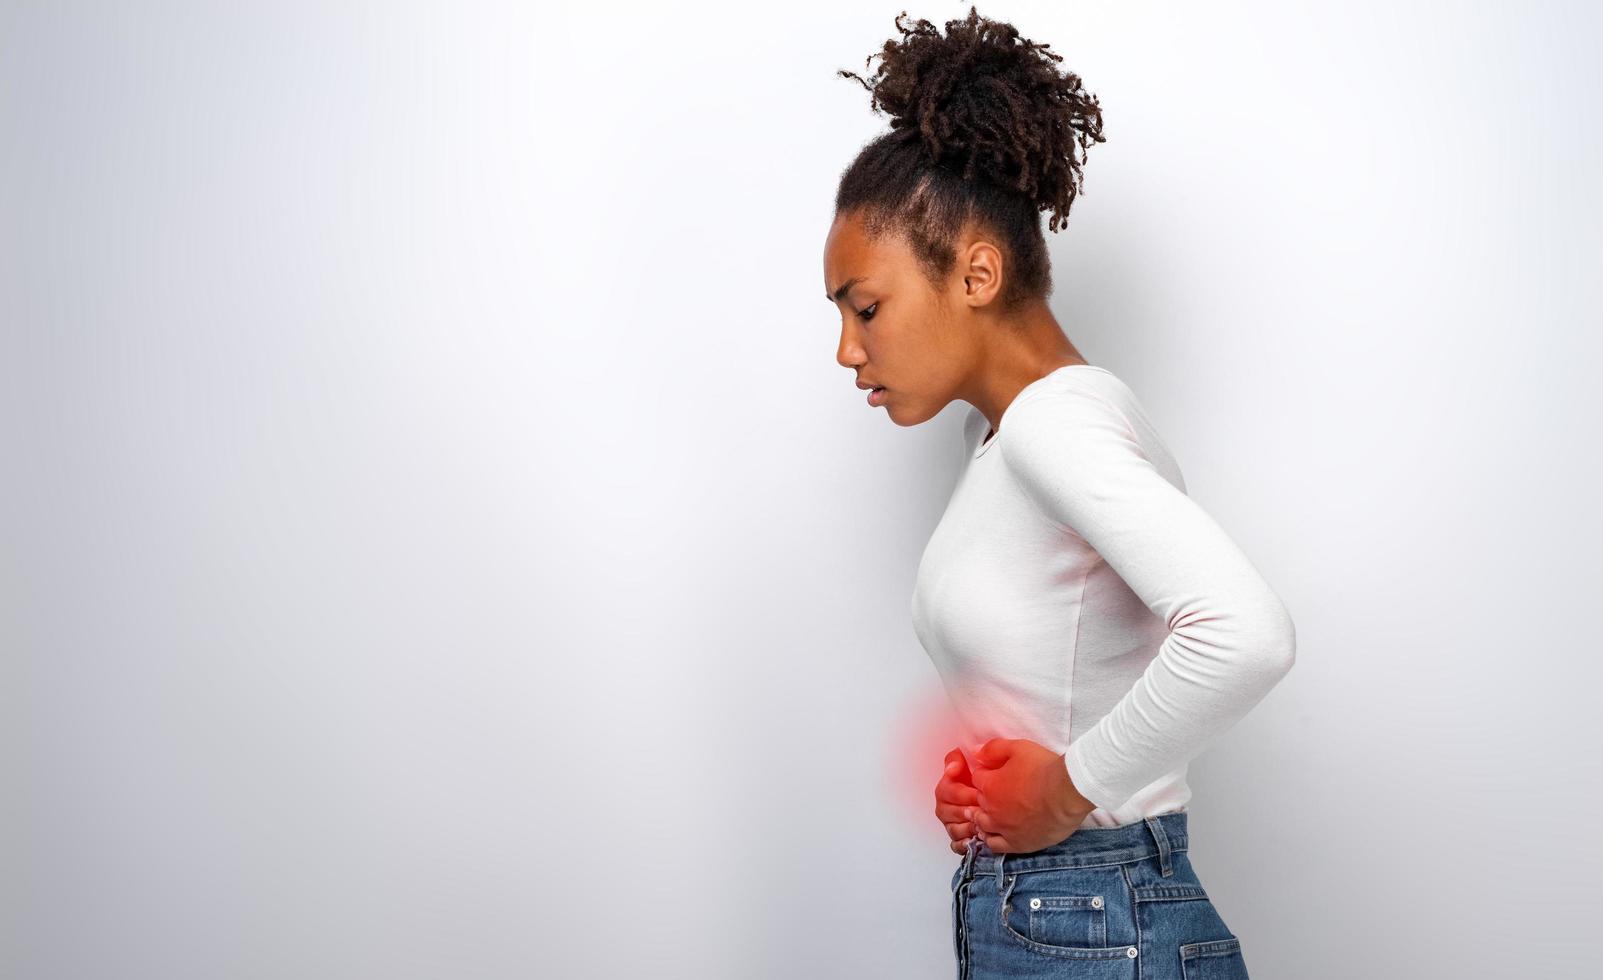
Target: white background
[{"x": 436, "y": 539}]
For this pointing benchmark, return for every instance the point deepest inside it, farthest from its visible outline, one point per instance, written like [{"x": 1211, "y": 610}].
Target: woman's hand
[
  {"x": 955, "y": 795},
  {"x": 1026, "y": 800}
]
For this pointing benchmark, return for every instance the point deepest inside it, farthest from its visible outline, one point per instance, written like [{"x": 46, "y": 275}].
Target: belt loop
[
  {"x": 968, "y": 857},
  {"x": 1162, "y": 840},
  {"x": 1001, "y": 873}
]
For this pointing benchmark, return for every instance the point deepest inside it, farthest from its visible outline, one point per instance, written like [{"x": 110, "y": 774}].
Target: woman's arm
[{"x": 1230, "y": 638}]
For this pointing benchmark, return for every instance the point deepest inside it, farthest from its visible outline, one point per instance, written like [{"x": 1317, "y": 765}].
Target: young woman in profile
[{"x": 1093, "y": 627}]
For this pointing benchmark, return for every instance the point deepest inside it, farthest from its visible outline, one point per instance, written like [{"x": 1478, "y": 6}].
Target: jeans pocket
[
  {"x": 1074, "y": 913},
  {"x": 1068, "y": 920},
  {"x": 1216, "y": 959}
]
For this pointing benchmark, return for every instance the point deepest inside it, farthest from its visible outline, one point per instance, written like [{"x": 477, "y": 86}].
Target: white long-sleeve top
[{"x": 1074, "y": 595}]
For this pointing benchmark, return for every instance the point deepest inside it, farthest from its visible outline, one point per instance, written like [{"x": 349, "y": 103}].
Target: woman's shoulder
[
  {"x": 1079, "y": 390},
  {"x": 1077, "y": 416},
  {"x": 1090, "y": 386}
]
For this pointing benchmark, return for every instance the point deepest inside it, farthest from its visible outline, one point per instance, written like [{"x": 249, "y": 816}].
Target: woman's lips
[{"x": 876, "y": 397}]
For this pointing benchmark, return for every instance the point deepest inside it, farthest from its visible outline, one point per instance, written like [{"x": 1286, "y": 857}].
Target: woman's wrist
[{"x": 1071, "y": 803}]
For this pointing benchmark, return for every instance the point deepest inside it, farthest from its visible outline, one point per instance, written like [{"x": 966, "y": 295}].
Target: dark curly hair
[{"x": 983, "y": 129}]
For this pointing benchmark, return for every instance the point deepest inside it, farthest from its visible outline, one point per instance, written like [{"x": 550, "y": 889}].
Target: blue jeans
[{"x": 1109, "y": 903}]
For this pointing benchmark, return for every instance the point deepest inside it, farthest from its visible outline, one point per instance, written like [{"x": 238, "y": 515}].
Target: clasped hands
[{"x": 1018, "y": 798}]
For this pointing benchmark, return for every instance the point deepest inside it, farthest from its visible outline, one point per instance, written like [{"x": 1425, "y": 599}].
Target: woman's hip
[{"x": 1116, "y": 903}]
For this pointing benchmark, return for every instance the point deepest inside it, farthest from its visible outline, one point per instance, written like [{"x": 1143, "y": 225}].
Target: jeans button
[
  {"x": 1096, "y": 901},
  {"x": 1130, "y": 952}
]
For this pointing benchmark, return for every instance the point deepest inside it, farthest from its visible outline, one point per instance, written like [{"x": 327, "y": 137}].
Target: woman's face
[{"x": 896, "y": 330}]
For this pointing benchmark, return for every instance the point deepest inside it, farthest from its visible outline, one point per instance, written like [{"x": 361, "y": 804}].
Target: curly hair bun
[{"x": 990, "y": 105}]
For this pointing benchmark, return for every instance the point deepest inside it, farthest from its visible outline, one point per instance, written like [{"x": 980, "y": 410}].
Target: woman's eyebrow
[{"x": 840, "y": 291}]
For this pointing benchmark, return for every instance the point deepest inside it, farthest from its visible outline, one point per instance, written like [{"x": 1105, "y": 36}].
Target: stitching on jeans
[
  {"x": 1165, "y": 862},
  {"x": 1128, "y": 856},
  {"x": 967, "y": 960},
  {"x": 1078, "y": 903},
  {"x": 1067, "y": 952},
  {"x": 1135, "y": 914},
  {"x": 1211, "y": 947},
  {"x": 1169, "y": 893}
]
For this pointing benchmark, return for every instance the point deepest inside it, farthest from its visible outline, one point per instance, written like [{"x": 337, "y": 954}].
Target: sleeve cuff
[{"x": 1084, "y": 782}]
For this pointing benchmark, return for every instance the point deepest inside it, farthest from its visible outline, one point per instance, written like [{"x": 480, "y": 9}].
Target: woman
[{"x": 1093, "y": 626}]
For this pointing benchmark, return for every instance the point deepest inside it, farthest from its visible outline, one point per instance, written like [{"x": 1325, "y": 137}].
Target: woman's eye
[{"x": 868, "y": 313}]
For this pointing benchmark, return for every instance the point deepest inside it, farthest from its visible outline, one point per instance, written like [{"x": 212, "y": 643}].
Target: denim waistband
[{"x": 1156, "y": 837}]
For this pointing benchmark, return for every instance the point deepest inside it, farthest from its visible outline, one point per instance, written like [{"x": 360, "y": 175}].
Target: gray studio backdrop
[{"x": 437, "y": 541}]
